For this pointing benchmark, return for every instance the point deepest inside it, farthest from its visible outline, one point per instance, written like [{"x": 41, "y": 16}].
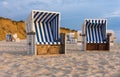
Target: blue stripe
[
  {"x": 91, "y": 36},
  {"x": 105, "y": 28},
  {"x": 89, "y": 32},
  {"x": 49, "y": 33},
  {"x": 42, "y": 17},
  {"x": 95, "y": 31},
  {"x": 92, "y": 32},
  {"x": 44, "y": 27},
  {"x": 86, "y": 30},
  {"x": 51, "y": 24},
  {"x": 57, "y": 26},
  {"x": 53, "y": 28},
  {"x": 50, "y": 27},
  {"x": 45, "y": 19},
  {"x": 36, "y": 14},
  {"x": 44, "y": 33},
  {"x": 102, "y": 33},
  {"x": 98, "y": 32},
  {"x": 50, "y": 18},
  {"x": 40, "y": 32}
]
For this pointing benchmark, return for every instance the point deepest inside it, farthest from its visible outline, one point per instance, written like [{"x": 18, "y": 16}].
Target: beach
[{"x": 14, "y": 62}]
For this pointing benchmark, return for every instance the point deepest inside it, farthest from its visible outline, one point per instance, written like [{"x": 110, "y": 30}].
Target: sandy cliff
[{"x": 11, "y": 26}]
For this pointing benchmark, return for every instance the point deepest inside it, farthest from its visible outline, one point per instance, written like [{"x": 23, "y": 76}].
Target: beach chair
[
  {"x": 94, "y": 34},
  {"x": 43, "y": 32}
]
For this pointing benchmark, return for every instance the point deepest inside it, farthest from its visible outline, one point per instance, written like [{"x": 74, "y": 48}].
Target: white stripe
[
  {"x": 52, "y": 25},
  {"x": 50, "y": 32},
  {"x": 100, "y": 33},
  {"x": 52, "y": 17},
  {"x": 94, "y": 33},
  {"x": 97, "y": 32},
  {"x": 44, "y": 25},
  {"x": 40, "y": 17},
  {"x": 38, "y": 27},
  {"x": 48, "y": 17},
  {"x": 46, "y": 32},
  {"x": 42, "y": 32},
  {"x": 91, "y": 33},
  {"x": 44, "y": 17},
  {"x": 48, "y": 37},
  {"x": 37, "y": 16},
  {"x": 88, "y": 33}
]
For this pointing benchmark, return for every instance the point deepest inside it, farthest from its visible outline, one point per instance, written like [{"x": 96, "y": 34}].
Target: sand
[{"x": 14, "y": 62}]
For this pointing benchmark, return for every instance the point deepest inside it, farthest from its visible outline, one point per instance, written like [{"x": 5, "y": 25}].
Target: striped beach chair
[
  {"x": 45, "y": 27},
  {"x": 94, "y": 34}
]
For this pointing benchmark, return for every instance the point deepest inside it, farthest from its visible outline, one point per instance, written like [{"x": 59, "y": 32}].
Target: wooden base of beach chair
[
  {"x": 95, "y": 46},
  {"x": 48, "y": 49}
]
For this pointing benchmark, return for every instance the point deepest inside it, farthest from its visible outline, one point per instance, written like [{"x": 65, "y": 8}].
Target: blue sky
[{"x": 73, "y": 12}]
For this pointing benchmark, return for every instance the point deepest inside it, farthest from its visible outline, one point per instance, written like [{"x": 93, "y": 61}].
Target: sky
[{"x": 73, "y": 12}]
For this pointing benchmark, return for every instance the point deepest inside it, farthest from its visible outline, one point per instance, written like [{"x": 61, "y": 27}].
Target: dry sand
[{"x": 14, "y": 62}]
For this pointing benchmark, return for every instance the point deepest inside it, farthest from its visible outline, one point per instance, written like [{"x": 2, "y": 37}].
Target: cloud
[
  {"x": 5, "y": 3},
  {"x": 69, "y": 9},
  {"x": 115, "y": 13}
]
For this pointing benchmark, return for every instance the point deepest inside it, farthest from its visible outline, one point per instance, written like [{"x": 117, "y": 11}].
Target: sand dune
[{"x": 17, "y": 63}]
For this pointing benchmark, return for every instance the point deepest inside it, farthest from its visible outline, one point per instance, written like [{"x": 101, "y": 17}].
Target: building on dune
[{"x": 12, "y": 37}]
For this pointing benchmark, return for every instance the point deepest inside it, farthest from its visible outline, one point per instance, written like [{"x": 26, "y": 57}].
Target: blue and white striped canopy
[
  {"x": 95, "y": 30},
  {"x": 46, "y": 25}
]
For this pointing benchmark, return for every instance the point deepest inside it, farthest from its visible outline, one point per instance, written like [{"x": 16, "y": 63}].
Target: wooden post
[
  {"x": 108, "y": 41},
  {"x": 31, "y": 43},
  {"x": 62, "y": 40}
]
